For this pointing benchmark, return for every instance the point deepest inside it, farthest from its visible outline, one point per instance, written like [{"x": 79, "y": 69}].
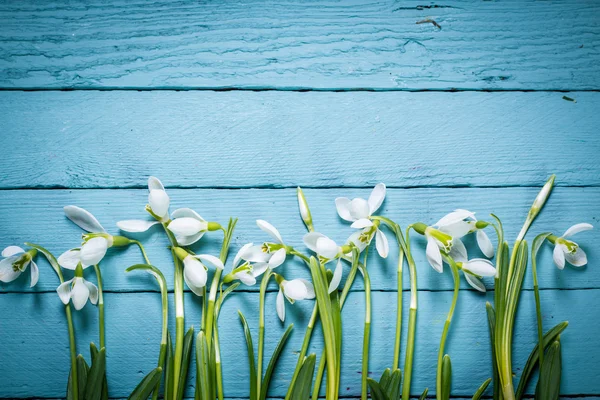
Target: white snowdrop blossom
[
  {"x": 16, "y": 262},
  {"x": 327, "y": 250},
  {"x": 568, "y": 250},
  {"x": 269, "y": 254},
  {"x": 78, "y": 290},
  {"x": 95, "y": 244},
  {"x": 473, "y": 269},
  {"x": 359, "y": 211},
  {"x": 247, "y": 272},
  {"x": 195, "y": 270},
  {"x": 296, "y": 289},
  {"x": 462, "y": 222},
  {"x": 187, "y": 226},
  {"x": 158, "y": 207}
]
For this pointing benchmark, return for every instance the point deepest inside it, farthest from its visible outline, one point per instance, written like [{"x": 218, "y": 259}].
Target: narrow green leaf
[
  {"x": 96, "y": 375},
  {"x": 82, "y": 373},
  {"x": 424, "y": 394},
  {"x": 224, "y": 295},
  {"x": 376, "y": 391},
  {"x": 446, "y": 377},
  {"x": 251, "y": 357},
  {"x": 548, "y": 387},
  {"x": 303, "y": 384},
  {"x": 203, "y": 366},
  {"x": 394, "y": 388},
  {"x": 147, "y": 385},
  {"x": 384, "y": 381},
  {"x": 481, "y": 389},
  {"x": 532, "y": 361},
  {"x": 491, "y": 316},
  {"x": 273, "y": 362},
  {"x": 185, "y": 360},
  {"x": 169, "y": 367}
]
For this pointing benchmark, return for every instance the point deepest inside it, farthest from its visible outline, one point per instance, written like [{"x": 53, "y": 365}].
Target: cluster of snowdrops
[{"x": 330, "y": 265}]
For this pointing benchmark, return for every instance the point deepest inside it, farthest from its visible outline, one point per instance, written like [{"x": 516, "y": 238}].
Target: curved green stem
[
  {"x": 366, "y": 333},
  {"x": 100, "y": 306},
  {"x": 454, "y": 268},
  {"x": 139, "y": 244},
  {"x": 261, "y": 328}
]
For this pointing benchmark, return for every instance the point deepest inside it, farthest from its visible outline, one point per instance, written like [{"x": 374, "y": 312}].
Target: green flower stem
[
  {"x": 137, "y": 242},
  {"x": 367, "y": 331},
  {"x": 261, "y": 328},
  {"x": 100, "y": 305},
  {"x": 538, "y": 311},
  {"x": 163, "y": 339},
  {"x": 303, "y": 350},
  {"x": 454, "y": 268},
  {"x": 219, "y": 370}
]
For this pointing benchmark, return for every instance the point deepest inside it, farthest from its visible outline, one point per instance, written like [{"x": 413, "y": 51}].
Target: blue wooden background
[{"x": 234, "y": 104}]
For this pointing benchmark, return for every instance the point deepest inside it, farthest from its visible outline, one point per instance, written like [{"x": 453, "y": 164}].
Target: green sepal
[
  {"x": 446, "y": 377},
  {"x": 533, "y": 359},
  {"x": 377, "y": 392},
  {"x": 95, "y": 379},
  {"x": 185, "y": 360},
  {"x": 251, "y": 357},
  {"x": 482, "y": 389},
  {"x": 303, "y": 384},
  {"x": 273, "y": 362},
  {"x": 147, "y": 385},
  {"x": 424, "y": 394},
  {"x": 548, "y": 387}
]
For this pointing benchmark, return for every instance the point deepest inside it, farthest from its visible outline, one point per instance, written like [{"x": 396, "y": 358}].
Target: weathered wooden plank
[
  {"x": 274, "y": 139},
  {"x": 35, "y": 346},
  {"x": 290, "y": 45},
  {"x": 36, "y": 215}
]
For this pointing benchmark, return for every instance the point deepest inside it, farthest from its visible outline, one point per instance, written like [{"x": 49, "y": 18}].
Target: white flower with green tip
[
  {"x": 158, "y": 207},
  {"x": 194, "y": 268},
  {"x": 567, "y": 250},
  {"x": 16, "y": 262},
  {"x": 327, "y": 250},
  {"x": 296, "y": 289},
  {"x": 247, "y": 272},
  {"x": 462, "y": 222},
  {"x": 473, "y": 269},
  {"x": 78, "y": 290}
]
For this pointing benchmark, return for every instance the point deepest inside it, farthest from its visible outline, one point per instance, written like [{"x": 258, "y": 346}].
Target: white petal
[
  {"x": 576, "y": 229},
  {"x": 93, "y": 251},
  {"x": 159, "y": 202},
  {"x": 189, "y": 240},
  {"x": 381, "y": 244},
  {"x": 359, "y": 208},
  {"x": 577, "y": 259},
  {"x": 453, "y": 217},
  {"x": 83, "y": 218},
  {"x": 457, "y": 229},
  {"x": 259, "y": 268},
  {"x": 433, "y": 255},
  {"x": 277, "y": 258},
  {"x": 64, "y": 291},
  {"x": 194, "y": 275},
  {"x": 186, "y": 226},
  {"x": 69, "y": 259},
  {"x": 93, "y": 291},
  {"x": 295, "y": 289},
  {"x": 280, "y": 306},
  {"x": 79, "y": 293},
  {"x": 7, "y": 273},
  {"x": 246, "y": 278},
  {"x": 269, "y": 229},
  {"x": 337, "y": 277},
  {"x": 35, "y": 273},
  {"x": 155, "y": 184},
  {"x": 311, "y": 238},
  {"x": 559, "y": 256},
  {"x": 310, "y": 289},
  {"x": 254, "y": 254},
  {"x": 354, "y": 238},
  {"x": 481, "y": 267},
  {"x": 212, "y": 260},
  {"x": 475, "y": 282},
  {"x": 484, "y": 243},
  {"x": 327, "y": 248},
  {"x": 458, "y": 251},
  {"x": 342, "y": 204},
  {"x": 12, "y": 251},
  {"x": 136, "y": 225},
  {"x": 376, "y": 198},
  {"x": 186, "y": 212},
  {"x": 361, "y": 223},
  {"x": 240, "y": 253}
]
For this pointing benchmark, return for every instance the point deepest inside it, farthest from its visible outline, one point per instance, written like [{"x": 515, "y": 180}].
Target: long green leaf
[
  {"x": 95, "y": 380},
  {"x": 446, "y": 377},
  {"x": 384, "y": 381},
  {"x": 491, "y": 316},
  {"x": 393, "y": 390},
  {"x": 303, "y": 384},
  {"x": 203, "y": 366},
  {"x": 273, "y": 362},
  {"x": 424, "y": 394},
  {"x": 377, "y": 392},
  {"x": 481, "y": 389},
  {"x": 251, "y": 357},
  {"x": 532, "y": 361},
  {"x": 185, "y": 361},
  {"x": 147, "y": 385},
  {"x": 548, "y": 387},
  {"x": 169, "y": 364},
  {"x": 82, "y": 374}
]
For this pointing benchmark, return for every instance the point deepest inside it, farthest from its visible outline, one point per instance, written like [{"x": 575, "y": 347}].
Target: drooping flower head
[
  {"x": 158, "y": 207},
  {"x": 473, "y": 269},
  {"x": 567, "y": 250},
  {"x": 16, "y": 262},
  {"x": 293, "y": 290},
  {"x": 77, "y": 290},
  {"x": 195, "y": 270}
]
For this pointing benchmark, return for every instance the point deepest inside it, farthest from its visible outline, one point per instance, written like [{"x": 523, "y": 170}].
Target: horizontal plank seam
[
  {"x": 272, "y": 290},
  {"x": 562, "y": 396}
]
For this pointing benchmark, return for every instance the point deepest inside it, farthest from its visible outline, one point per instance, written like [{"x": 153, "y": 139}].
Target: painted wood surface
[
  {"x": 272, "y": 139},
  {"x": 34, "y": 340},
  {"x": 290, "y": 45},
  {"x": 37, "y": 216}
]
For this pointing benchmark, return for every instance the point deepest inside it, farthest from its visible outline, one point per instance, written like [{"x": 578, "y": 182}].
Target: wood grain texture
[
  {"x": 272, "y": 139},
  {"x": 35, "y": 345},
  {"x": 37, "y": 215},
  {"x": 289, "y": 45}
]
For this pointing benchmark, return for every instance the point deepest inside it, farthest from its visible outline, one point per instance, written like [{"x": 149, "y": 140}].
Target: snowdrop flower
[
  {"x": 78, "y": 290},
  {"x": 189, "y": 227},
  {"x": 462, "y": 222},
  {"x": 304, "y": 210},
  {"x": 247, "y": 272},
  {"x": 96, "y": 243},
  {"x": 16, "y": 262},
  {"x": 327, "y": 250},
  {"x": 359, "y": 211},
  {"x": 158, "y": 207},
  {"x": 194, "y": 271},
  {"x": 269, "y": 254},
  {"x": 296, "y": 289},
  {"x": 568, "y": 250},
  {"x": 473, "y": 269}
]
